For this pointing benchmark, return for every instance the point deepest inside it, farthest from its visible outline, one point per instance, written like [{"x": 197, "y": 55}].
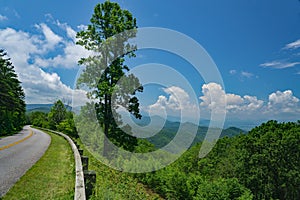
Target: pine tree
[
  {"x": 12, "y": 104},
  {"x": 107, "y": 36}
]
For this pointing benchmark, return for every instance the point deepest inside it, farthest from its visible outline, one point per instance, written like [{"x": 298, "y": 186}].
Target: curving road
[{"x": 18, "y": 153}]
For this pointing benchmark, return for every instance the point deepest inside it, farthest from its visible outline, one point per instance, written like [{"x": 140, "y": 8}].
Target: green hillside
[
  {"x": 263, "y": 164},
  {"x": 170, "y": 129}
]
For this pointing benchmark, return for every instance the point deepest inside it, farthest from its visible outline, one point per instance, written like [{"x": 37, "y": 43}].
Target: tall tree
[
  {"x": 57, "y": 114},
  {"x": 12, "y": 104},
  {"x": 107, "y": 37}
]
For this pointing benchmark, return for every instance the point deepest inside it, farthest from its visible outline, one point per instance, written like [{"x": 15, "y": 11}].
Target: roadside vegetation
[
  {"x": 52, "y": 177},
  {"x": 113, "y": 184},
  {"x": 12, "y": 104},
  {"x": 58, "y": 119}
]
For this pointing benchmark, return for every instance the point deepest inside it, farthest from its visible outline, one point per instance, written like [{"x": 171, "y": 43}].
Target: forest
[
  {"x": 263, "y": 164},
  {"x": 12, "y": 98}
]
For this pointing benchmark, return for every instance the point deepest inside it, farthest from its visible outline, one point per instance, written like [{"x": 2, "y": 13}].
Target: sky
[{"x": 254, "y": 44}]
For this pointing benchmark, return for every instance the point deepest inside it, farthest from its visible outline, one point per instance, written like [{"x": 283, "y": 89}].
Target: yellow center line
[{"x": 17, "y": 142}]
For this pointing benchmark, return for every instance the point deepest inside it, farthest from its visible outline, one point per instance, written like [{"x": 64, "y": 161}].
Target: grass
[
  {"x": 52, "y": 177},
  {"x": 112, "y": 184}
]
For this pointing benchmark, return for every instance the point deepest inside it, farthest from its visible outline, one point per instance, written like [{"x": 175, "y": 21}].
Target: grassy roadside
[
  {"x": 112, "y": 184},
  {"x": 52, "y": 177}
]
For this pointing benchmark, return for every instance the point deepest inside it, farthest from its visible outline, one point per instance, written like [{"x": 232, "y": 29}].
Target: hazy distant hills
[
  {"x": 163, "y": 131},
  {"x": 41, "y": 107},
  {"x": 190, "y": 130},
  {"x": 243, "y": 125},
  {"x": 38, "y": 107}
]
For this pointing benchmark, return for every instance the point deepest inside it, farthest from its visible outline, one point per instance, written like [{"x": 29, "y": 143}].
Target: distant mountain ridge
[
  {"x": 41, "y": 107},
  {"x": 169, "y": 129}
]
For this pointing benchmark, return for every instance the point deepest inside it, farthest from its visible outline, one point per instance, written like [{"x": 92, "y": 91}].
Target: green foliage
[
  {"x": 12, "y": 104},
  {"x": 271, "y": 160},
  {"x": 57, "y": 114},
  {"x": 57, "y": 119},
  {"x": 263, "y": 164},
  {"x": 37, "y": 119},
  {"x": 105, "y": 73},
  {"x": 222, "y": 189},
  {"x": 112, "y": 184}
]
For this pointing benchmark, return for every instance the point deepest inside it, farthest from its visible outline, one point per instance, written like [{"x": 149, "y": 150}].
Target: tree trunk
[{"x": 106, "y": 147}]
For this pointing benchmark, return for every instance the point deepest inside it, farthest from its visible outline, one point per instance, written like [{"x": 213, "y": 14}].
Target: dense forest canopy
[
  {"x": 263, "y": 164},
  {"x": 12, "y": 104}
]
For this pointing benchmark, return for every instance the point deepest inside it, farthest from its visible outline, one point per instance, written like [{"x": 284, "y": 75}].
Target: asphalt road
[{"x": 18, "y": 153}]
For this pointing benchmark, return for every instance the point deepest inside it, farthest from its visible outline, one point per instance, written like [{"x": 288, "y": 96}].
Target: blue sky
[{"x": 255, "y": 45}]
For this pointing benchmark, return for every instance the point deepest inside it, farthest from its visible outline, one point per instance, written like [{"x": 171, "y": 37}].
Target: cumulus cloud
[
  {"x": 280, "y": 105},
  {"x": 213, "y": 97},
  {"x": 71, "y": 33},
  {"x": 71, "y": 52},
  {"x": 47, "y": 88},
  {"x": 283, "y": 102},
  {"x": 28, "y": 51},
  {"x": 50, "y": 38},
  {"x": 178, "y": 102},
  {"x": 20, "y": 46},
  {"x": 216, "y": 100}
]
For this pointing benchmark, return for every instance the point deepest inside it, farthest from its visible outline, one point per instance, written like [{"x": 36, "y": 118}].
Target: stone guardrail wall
[{"x": 79, "y": 181}]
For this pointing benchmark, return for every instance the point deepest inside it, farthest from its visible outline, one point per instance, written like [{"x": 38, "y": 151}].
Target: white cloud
[
  {"x": 71, "y": 52},
  {"x": 252, "y": 103},
  {"x": 283, "y": 102},
  {"x": 246, "y": 74},
  {"x": 51, "y": 39},
  {"x": 42, "y": 87},
  {"x": 279, "y": 65},
  {"x": 70, "y": 32},
  {"x": 27, "y": 52},
  {"x": 177, "y": 103},
  {"x": 293, "y": 45},
  {"x": 279, "y": 104},
  {"x": 19, "y": 46},
  {"x": 242, "y": 75},
  {"x": 216, "y": 100},
  {"x": 3, "y": 18},
  {"x": 213, "y": 97},
  {"x": 286, "y": 63}
]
